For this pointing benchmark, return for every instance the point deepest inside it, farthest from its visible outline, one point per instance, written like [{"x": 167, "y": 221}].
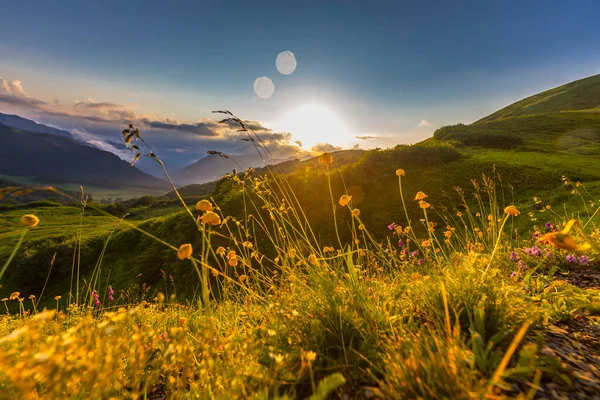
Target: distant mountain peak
[{"x": 28, "y": 125}]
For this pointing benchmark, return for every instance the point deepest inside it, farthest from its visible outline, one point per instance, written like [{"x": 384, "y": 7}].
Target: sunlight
[{"x": 315, "y": 123}]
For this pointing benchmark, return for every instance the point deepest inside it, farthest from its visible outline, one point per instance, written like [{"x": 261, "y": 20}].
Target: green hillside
[{"x": 580, "y": 95}]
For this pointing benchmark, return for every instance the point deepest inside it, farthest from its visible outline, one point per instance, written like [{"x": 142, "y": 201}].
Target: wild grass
[{"x": 451, "y": 303}]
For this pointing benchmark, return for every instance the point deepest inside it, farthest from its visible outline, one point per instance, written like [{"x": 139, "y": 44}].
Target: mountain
[
  {"x": 580, "y": 95},
  {"x": 28, "y": 125},
  {"x": 54, "y": 158},
  {"x": 213, "y": 167}
]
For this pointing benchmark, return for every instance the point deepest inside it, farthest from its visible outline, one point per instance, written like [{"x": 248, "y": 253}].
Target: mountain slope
[
  {"x": 583, "y": 94},
  {"x": 61, "y": 159},
  {"x": 15, "y": 121}
]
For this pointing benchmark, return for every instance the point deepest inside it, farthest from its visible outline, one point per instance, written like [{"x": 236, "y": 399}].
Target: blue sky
[{"x": 381, "y": 67}]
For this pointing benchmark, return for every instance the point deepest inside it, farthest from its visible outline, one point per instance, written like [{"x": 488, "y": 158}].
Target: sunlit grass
[{"x": 450, "y": 304}]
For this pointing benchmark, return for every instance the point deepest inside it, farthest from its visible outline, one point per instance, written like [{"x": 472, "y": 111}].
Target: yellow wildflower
[
  {"x": 344, "y": 200},
  {"x": 420, "y": 196},
  {"x": 210, "y": 218},
  {"x": 30, "y": 220},
  {"x": 512, "y": 210},
  {"x": 400, "y": 172},
  {"x": 355, "y": 212},
  {"x": 220, "y": 250},
  {"x": 424, "y": 205},
  {"x": 185, "y": 251},
  {"x": 14, "y": 295},
  {"x": 204, "y": 205}
]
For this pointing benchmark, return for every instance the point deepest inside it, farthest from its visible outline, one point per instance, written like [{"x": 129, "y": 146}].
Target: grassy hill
[{"x": 580, "y": 95}]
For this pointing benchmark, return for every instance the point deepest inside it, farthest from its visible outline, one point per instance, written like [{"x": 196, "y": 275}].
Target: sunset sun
[{"x": 315, "y": 123}]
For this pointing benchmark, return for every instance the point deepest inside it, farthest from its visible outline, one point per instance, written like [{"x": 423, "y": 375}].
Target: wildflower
[
  {"x": 514, "y": 274},
  {"x": 185, "y": 251},
  {"x": 14, "y": 295},
  {"x": 57, "y": 298},
  {"x": 344, "y": 200},
  {"x": 548, "y": 206},
  {"x": 459, "y": 214},
  {"x": 448, "y": 234},
  {"x": 559, "y": 240},
  {"x": 400, "y": 172},
  {"x": 514, "y": 256},
  {"x": 210, "y": 218},
  {"x": 583, "y": 260},
  {"x": 571, "y": 259},
  {"x": 521, "y": 265},
  {"x": 548, "y": 225},
  {"x": 424, "y": 205},
  {"x": 32, "y": 297},
  {"x": 512, "y": 210},
  {"x": 204, "y": 205},
  {"x": 361, "y": 227},
  {"x": 391, "y": 226},
  {"x": 310, "y": 356},
  {"x": 400, "y": 243},
  {"x": 325, "y": 158},
  {"x": 292, "y": 253},
  {"x": 355, "y": 212},
  {"x": 242, "y": 278},
  {"x": 533, "y": 251},
  {"x": 232, "y": 259},
  {"x": 313, "y": 259},
  {"x": 420, "y": 196},
  {"x": 398, "y": 230},
  {"x": 95, "y": 297},
  {"x": 478, "y": 215},
  {"x": 110, "y": 294},
  {"x": 414, "y": 253},
  {"x": 30, "y": 220},
  {"x": 426, "y": 243},
  {"x": 420, "y": 261},
  {"x": 220, "y": 250}
]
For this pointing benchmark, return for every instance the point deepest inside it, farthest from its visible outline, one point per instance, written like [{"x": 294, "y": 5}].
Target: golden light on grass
[
  {"x": 344, "y": 200},
  {"x": 30, "y": 220},
  {"x": 185, "y": 251},
  {"x": 204, "y": 205},
  {"x": 512, "y": 210}
]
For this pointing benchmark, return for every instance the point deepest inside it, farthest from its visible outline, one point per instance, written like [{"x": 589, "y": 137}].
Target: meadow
[{"x": 262, "y": 292}]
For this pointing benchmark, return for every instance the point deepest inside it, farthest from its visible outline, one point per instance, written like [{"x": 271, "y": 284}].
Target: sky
[{"x": 368, "y": 74}]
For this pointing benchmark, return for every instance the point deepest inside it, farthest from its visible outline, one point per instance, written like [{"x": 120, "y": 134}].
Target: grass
[{"x": 448, "y": 302}]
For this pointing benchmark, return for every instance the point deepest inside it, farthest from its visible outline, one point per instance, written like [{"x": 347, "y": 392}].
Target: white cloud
[{"x": 424, "y": 124}]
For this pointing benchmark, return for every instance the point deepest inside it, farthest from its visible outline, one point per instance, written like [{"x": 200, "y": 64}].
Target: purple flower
[
  {"x": 533, "y": 251},
  {"x": 400, "y": 243},
  {"x": 583, "y": 260},
  {"x": 514, "y": 274},
  {"x": 548, "y": 225},
  {"x": 110, "y": 294},
  {"x": 414, "y": 253},
  {"x": 95, "y": 298},
  {"x": 535, "y": 235},
  {"x": 571, "y": 259},
  {"x": 420, "y": 261},
  {"x": 521, "y": 265},
  {"x": 404, "y": 251},
  {"x": 391, "y": 226},
  {"x": 514, "y": 256},
  {"x": 548, "y": 255}
]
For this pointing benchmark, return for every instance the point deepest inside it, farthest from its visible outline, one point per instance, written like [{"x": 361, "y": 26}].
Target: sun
[{"x": 315, "y": 123}]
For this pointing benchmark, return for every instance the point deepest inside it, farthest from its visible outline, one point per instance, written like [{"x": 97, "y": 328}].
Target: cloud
[
  {"x": 366, "y": 137},
  {"x": 424, "y": 124},
  {"x": 207, "y": 128},
  {"x": 321, "y": 147},
  {"x": 12, "y": 92}
]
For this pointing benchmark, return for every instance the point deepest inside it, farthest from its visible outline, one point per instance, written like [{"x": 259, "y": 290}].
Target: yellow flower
[
  {"x": 220, "y": 250},
  {"x": 355, "y": 212},
  {"x": 361, "y": 227},
  {"x": 448, "y": 234},
  {"x": 344, "y": 200},
  {"x": 548, "y": 207},
  {"x": 420, "y": 196},
  {"x": 459, "y": 214},
  {"x": 400, "y": 172},
  {"x": 512, "y": 210},
  {"x": 424, "y": 205},
  {"x": 14, "y": 295},
  {"x": 185, "y": 251},
  {"x": 292, "y": 253},
  {"x": 233, "y": 262},
  {"x": 32, "y": 296},
  {"x": 478, "y": 215},
  {"x": 313, "y": 259},
  {"x": 30, "y": 220},
  {"x": 325, "y": 158},
  {"x": 210, "y": 218},
  {"x": 57, "y": 298},
  {"x": 310, "y": 356},
  {"x": 328, "y": 249},
  {"x": 426, "y": 243},
  {"x": 204, "y": 205}
]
